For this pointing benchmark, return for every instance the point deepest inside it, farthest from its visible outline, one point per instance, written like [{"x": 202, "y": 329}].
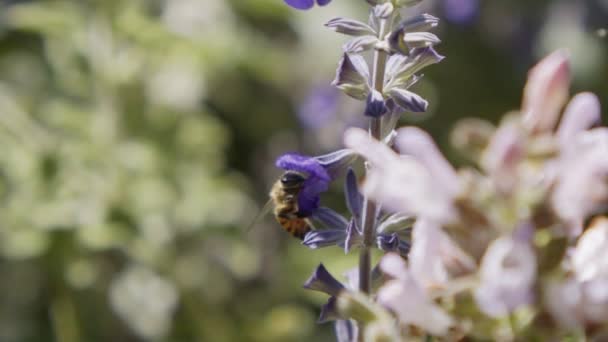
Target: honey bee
[
  {"x": 284, "y": 197},
  {"x": 284, "y": 204}
]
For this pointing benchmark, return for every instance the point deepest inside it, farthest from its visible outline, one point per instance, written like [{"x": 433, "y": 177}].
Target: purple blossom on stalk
[
  {"x": 321, "y": 280},
  {"x": 306, "y": 4},
  {"x": 319, "y": 170},
  {"x": 391, "y": 233}
]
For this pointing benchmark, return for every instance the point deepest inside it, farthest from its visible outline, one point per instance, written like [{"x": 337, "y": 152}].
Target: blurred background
[{"x": 137, "y": 141}]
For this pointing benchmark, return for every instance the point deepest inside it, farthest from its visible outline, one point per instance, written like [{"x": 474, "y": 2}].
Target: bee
[
  {"x": 284, "y": 204},
  {"x": 284, "y": 197}
]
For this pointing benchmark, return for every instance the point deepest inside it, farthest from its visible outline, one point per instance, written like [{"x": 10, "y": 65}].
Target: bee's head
[{"x": 292, "y": 179}]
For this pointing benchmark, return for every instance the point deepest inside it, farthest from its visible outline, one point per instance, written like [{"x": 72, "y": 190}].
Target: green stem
[{"x": 64, "y": 317}]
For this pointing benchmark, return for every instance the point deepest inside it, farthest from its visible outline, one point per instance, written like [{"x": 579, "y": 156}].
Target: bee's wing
[{"x": 265, "y": 210}]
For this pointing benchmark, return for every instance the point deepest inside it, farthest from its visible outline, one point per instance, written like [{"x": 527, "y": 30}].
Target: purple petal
[
  {"x": 300, "y": 163},
  {"x": 375, "y": 105},
  {"x": 350, "y": 27},
  {"x": 330, "y": 218},
  {"x": 300, "y": 4},
  {"x": 324, "y": 238},
  {"x": 388, "y": 242},
  {"x": 420, "y": 22},
  {"x": 420, "y": 39},
  {"x": 321, "y": 280},
  {"x": 323, "y": 2},
  {"x": 329, "y": 311},
  {"x": 316, "y": 183},
  {"x": 352, "y": 76},
  {"x": 409, "y": 101},
  {"x": 336, "y": 162},
  {"x": 354, "y": 200}
]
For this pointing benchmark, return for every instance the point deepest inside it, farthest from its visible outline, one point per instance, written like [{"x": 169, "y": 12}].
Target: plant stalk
[{"x": 375, "y": 129}]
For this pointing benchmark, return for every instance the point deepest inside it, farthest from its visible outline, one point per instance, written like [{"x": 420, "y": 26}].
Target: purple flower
[
  {"x": 319, "y": 172},
  {"x": 392, "y": 233},
  {"x": 321, "y": 280},
  {"x": 319, "y": 107},
  {"x": 306, "y": 4},
  {"x": 461, "y": 11}
]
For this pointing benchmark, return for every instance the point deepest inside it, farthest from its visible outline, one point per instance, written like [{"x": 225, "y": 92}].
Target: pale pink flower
[
  {"x": 590, "y": 257},
  {"x": 434, "y": 258},
  {"x": 582, "y": 113},
  {"x": 507, "y": 273},
  {"x": 583, "y": 298},
  {"x": 546, "y": 92},
  {"x": 405, "y": 183},
  {"x": 409, "y": 300},
  {"x": 419, "y": 144},
  {"x": 581, "y": 173},
  {"x": 503, "y": 156}
]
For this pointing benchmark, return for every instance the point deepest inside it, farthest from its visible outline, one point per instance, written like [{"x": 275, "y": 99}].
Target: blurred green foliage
[{"x": 137, "y": 137}]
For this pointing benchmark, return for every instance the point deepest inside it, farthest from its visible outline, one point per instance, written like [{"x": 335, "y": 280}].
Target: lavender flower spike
[{"x": 306, "y": 4}]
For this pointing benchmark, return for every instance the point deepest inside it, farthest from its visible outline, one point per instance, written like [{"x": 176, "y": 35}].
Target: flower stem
[{"x": 375, "y": 129}]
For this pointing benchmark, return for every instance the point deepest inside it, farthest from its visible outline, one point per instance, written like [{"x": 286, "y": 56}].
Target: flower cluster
[
  {"x": 491, "y": 251},
  {"x": 500, "y": 242}
]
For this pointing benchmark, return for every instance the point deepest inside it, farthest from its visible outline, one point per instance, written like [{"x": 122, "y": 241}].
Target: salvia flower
[
  {"x": 405, "y": 183},
  {"x": 581, "y": 299},
  {"x": 507, "y": 272},
  {"x": 411, "y": 50},
  {"x": 401, "y": 74},
  {"x": 322, "y": 281},
  {"x": 306, "y": 4},
  {"x": 406, "y": 37},
  {"x": 546, "y": 92},
  {"x": 352, "y": 76},
  {"x": 392, "y": 232},
  {"x": 319, "y": 171},
  {"x": 409, "y": 300}
]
